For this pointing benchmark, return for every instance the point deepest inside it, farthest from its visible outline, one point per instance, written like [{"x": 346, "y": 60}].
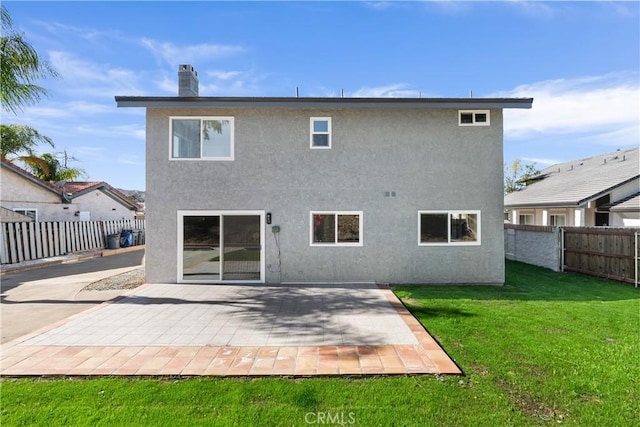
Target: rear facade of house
[{"x": 294, "y": 190}]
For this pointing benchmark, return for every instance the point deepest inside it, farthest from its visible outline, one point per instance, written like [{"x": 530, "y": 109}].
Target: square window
[
  {"x": 336, "y": 228},
  {"x": 448, "y": 228},
  {"x": 473, "y": 118},
  {"x": 207, "y": 138},
  {"x": 320, "y": 132}
]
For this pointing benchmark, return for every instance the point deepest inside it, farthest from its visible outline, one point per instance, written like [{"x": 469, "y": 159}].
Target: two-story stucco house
[{"x": 343, "y": 190}]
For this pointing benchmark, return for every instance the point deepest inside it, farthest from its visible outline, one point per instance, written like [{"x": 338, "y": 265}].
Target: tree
[
  {"x": 20, "y": 68},
  {"x": 518, "y": 176},
  {"x": 57, "y": 170},
  {"x": 18, "y": 142}
]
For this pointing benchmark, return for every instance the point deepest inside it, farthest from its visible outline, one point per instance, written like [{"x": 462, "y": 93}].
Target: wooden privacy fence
[
  {"x": 604, "y": 252},
  {"x": 25, "y": 241}
]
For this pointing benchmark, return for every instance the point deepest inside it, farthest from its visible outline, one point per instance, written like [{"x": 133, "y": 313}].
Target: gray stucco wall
[
  {"x": 423, "y": 155},
  {"x": 537, "y": 245}
]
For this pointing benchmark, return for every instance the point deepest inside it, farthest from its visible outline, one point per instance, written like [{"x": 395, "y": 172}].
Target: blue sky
[{"x": 580, "y": 61}]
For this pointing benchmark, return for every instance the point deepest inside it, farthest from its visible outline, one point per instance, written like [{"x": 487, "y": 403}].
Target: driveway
[{"x": 32, "y": 299}]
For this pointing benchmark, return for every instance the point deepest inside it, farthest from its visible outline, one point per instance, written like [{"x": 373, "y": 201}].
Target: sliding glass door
[{"x": 221, "y": 246}]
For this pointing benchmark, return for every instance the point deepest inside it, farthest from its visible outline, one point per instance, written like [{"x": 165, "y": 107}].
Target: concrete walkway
[
  {"x": 170, "y": 329},
  {"x": 37, "y": 294}
]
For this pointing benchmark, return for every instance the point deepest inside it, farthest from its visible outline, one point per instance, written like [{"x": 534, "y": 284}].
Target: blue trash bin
[{"x": 126, "y": 238}]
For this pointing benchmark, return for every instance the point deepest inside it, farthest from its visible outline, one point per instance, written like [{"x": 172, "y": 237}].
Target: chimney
[{"x": 187, "y": 81}]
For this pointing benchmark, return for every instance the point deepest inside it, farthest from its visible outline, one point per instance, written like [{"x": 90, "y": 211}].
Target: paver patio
[{"x": 169, "y": 329}]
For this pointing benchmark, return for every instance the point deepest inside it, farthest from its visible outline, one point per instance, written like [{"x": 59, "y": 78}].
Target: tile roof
[
  {"x": 78, "y": 188},
  {"x": 73, "y": 187},
  {"x": 575, "y": 182}
]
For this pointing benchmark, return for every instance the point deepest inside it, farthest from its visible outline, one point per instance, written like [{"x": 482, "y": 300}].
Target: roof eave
[
  {"x": 607, "y": 190},
  {"x": 543, "y": 205},
  {"x": 285, "y": 102}
]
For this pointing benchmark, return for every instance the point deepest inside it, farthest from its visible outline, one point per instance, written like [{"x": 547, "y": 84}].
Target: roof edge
[
  {"x": 607, "y": 190},
  {"x": 326, "y": 102}
]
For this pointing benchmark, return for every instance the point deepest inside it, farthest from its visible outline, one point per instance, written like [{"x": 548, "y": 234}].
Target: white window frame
[
  {"x": 312, "y": 120},
  {"x": 23, "y": 211},
  {"x": 180, "y": 242},
  {"x": 477, "y": 242},
  {"x": 231, "y": 120},
  {"x": 474, "y": 113},
  {"x": 336, "y": 243}
]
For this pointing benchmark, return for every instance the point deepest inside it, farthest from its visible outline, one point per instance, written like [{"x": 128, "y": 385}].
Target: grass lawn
[{"x": 545, "y": 349}]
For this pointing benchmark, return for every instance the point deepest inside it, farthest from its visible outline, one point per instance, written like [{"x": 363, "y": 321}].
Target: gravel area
[{"x": 129, "y": 280}]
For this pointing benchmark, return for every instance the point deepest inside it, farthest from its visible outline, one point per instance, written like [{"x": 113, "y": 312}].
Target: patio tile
[{"x": 193, "y": 339}]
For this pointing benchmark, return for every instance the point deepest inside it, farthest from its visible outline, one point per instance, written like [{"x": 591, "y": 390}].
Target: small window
[
  {"x": 31, "y": 213},
  {"x": 473, "y": 118},
  {"x": 449, "y": 228},
  {"x": 336, "y": 228},
  {"x": 526, "y": 219},
  {"x": 320, "y": 132},
  {"x": 207, "y": 138}
]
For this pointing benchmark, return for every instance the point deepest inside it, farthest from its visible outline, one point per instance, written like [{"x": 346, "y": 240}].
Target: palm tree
[
  {"x": 20, "y": 67},
  {"x": 56, "y": 170},
  {"x": 18, "y": 142}
]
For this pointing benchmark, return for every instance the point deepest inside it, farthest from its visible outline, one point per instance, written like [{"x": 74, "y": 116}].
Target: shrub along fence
[
  {"x": 607, "y": 252},
  {"x": 25, "y": 241}
]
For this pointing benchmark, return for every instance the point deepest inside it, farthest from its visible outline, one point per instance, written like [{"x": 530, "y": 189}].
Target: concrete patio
[{"x": 227, "y": 330}]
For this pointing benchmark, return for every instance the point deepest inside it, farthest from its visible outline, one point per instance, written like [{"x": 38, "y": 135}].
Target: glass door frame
[{"x": 222, "y": 213}]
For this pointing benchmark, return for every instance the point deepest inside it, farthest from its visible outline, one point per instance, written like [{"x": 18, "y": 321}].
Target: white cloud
[
  {"x": 604, "y": 109},
  {"x": 541, "y": 161},
  {"x": 395, "y": 90},
  {"x": 189, "y": 54},
  {"x": 89, "y": 79},
  {"x": 223, "y": 75}
]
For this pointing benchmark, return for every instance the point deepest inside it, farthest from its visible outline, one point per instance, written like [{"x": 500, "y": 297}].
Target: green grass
[{"x": 545, "y": 349}]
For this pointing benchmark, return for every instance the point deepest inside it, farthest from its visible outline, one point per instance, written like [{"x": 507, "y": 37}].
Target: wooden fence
[
  {"x": 605, "y": 252},
  {"x": 25, "y": 241}
]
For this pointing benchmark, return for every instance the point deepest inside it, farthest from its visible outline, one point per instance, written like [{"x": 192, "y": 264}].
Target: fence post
[{"x": 562, "y": 249}]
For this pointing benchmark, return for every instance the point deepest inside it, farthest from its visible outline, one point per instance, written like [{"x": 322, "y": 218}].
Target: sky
[{"x": 580, "y": 61}]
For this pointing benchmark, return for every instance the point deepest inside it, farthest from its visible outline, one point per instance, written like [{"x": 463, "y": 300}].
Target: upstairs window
[
  {"x": 449, "y": 228},
  {"x": 320, "y": 132},
  {"x": 474, "y": 118},
  {"x": 206, "y": 138},
  {"x": 336, "y": 228}
]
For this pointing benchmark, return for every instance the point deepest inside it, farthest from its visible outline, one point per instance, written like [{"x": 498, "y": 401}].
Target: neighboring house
[
  {"x": 323, "y": 190},
  {"x": 25, "y": 193},
  {"x": 602, "y": 190}
]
